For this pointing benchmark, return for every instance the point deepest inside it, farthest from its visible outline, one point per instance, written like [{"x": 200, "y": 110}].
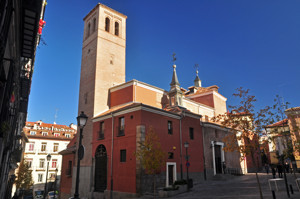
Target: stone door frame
[
  {"x": 167, "y": 173},
  {"x": 213, "y": 143}
]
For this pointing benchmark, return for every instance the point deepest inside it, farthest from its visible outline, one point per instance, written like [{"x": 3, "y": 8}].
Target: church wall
[
  {"x": 191, "y": 106},
  {"x": 125, "y": 173},
  {"x": 220, "y": 105},
  {"x": 205, "y": 99},
  {"x": 121, "y": 96},
  {"x": 198, "y": 109},
  {"x": 168, "y": 141},
  {"x": 146, "y": 96}
]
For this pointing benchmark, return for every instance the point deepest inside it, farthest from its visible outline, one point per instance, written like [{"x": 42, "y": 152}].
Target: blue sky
[{"x": 251, "y": 43}]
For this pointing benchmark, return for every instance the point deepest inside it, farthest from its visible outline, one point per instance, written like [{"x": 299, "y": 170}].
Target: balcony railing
[
  {"x": 69, "y": 172},
  {"x": 121, "y": 130},
  {"x": 101, "y": 135},
  {"x": 40, "y": 152},
  {"x": 38, "y": 168},
  {"x": 33, "y": 151}
]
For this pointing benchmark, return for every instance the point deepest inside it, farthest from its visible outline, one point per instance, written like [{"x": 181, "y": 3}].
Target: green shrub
[
  {"x": 173, "y": 188},
  {"x": 180, "y": 182}
]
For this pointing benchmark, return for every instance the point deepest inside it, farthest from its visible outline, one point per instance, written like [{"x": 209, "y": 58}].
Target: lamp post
[
  {"x": 186, "y": 146},
  {"x": 56, "y": 170},
  {"x": 81, "y": 121},
  {"x": 48, "y": 160}
]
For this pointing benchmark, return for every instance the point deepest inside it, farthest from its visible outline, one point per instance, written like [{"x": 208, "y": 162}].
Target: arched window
[
  {"x": 89, "y": 30},
  {"x": 94, "y": 25},
  {"x": 107, "y": 24},
  {"x": 117, "y": 28}
]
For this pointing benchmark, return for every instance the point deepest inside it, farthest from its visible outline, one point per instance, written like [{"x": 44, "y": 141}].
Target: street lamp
[
  {"x": 81, "y": 121},
  {"x": 186, "y": 146},
  {"x": 48, "y": 160},
  {"x": 56, "y": 170}
]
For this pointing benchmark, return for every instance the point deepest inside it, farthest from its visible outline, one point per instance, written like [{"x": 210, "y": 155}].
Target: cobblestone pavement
[{"x": 236, "y": 187}]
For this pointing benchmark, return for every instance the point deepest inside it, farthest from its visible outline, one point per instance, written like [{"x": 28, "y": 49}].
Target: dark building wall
[
  {"x": 15, "y": 80},
  {"x": 217, "y": 134}
]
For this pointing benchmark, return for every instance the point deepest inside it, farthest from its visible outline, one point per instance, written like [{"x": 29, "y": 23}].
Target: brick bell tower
[{"x": 102, "y": 66}]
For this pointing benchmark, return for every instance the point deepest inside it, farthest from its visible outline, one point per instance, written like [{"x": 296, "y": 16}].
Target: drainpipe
[
  {"x": 182, "y": 115},
  {"x": 204, "y": 166},
  {"x": 213, "y": 153},
  {"x": 111, "y": 158}
]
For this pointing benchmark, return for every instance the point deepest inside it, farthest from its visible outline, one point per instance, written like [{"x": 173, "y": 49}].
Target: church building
[{"x": 120, "y": 114}]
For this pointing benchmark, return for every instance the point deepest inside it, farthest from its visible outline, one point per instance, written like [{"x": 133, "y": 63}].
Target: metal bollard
[
  {"x": 273, "y": 194},
  {"x": 291, "y": 188}
]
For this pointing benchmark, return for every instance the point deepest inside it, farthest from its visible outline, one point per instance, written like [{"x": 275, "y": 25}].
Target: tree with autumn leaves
[
  {"x": 24, "y": 177},
  {"x": 151, "y": 155},
  {"x": 247, "y": 126}
]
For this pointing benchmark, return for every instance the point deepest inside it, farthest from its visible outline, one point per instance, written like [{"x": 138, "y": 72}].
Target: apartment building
[{"x": 45, "y": 139}]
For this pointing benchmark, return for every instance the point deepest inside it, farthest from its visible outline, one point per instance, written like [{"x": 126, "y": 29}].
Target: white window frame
[
  {"x": 40, "y": 161},
  {"x": 43, "y": 144},
  {"x": 54, "y": 146},
  {"x": 40, "y": 177},
  {"x": 29, "y": 144},
  {"x": 29, "y": 162},
  {"x": 44, "y": 133},
  {"x": 56, "y": 160}
]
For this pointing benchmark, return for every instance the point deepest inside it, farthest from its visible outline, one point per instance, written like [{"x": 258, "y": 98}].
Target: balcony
[
  {"x": 52, "y": 168},
  {"x": 31, "y": 11},
  {"x": 27, "y": 151},
  {"x": 39, "y": 168},
  {"x": 101, "y": 135},
  {"x": 43, "y": 152},
  {"x": 121, "y": 131}
]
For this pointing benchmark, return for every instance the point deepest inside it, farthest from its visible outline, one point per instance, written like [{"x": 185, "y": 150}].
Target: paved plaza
[
  {"x": 235, "y": 187},
  {"x": 240, "y": 187}
]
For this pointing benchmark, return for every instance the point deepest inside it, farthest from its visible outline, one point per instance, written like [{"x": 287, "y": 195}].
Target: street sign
[{"x": 187, "y": 164}]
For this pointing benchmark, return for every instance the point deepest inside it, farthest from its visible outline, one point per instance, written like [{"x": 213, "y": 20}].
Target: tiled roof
[
  {"x": 176, "y": 109},
  {"x": 42, "y": 124},
  {"x": 54, "y": 131},
  {"x": 293, "y": 109},
  {"x": 200, "y": 90},
  {"x": 116, "y": 108},
  {"x": 68, "y": 150},
  {"x": 279, "y": 123}
]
